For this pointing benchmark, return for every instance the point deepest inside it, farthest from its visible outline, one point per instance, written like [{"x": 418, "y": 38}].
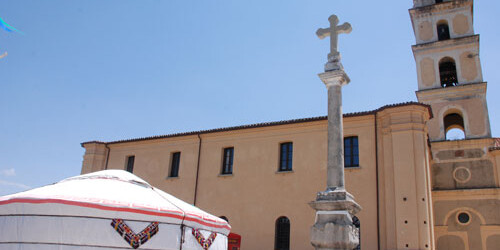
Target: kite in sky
[{"x": 7, "y": 27}]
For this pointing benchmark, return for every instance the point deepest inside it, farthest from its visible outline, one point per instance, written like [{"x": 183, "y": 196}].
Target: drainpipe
[
  {"x": 197, "y": 171},
  {"x": 377, "y": 176}
]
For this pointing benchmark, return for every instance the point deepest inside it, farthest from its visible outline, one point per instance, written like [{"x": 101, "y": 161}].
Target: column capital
[{"x": 334, "y": 77}]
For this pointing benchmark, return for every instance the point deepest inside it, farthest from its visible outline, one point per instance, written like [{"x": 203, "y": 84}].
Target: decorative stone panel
[
  {"x": 468, "y": 66},
  {"x": 425, "y": 30},
  {"x": 459, "y": 154},
  {"x": 460, "y": 24},
  {"x": 461, "y": 175},
  {"x": 428, "y": 72}
]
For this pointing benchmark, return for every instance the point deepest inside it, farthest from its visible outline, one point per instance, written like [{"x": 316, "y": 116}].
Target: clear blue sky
[{"x": 116, "y": 69}]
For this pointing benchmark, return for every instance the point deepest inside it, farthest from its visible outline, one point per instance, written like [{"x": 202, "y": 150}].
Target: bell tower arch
[{"x": 448, "y": 66}]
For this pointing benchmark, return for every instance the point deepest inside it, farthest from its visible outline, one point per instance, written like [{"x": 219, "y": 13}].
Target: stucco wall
[
  {"x": 256, "y": 194},
  {"x": 464, "y": 53},
  {"x": 405, "y": 211},
  {"x": 480, "y": 232},
  {"x": 469, "y": 101},
  {"x": 152, "y": 163},
  {"x": 473, "y": 190},
  {"x": 457, "y": 16}
]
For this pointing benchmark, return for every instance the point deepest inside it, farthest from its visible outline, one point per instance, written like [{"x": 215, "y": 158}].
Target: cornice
[
  {"x": 470, "y": 89},
  {"x": 440, "y": 45},
  {"x": 427, "y": 10},
  {"x": 267, "y": 124}
]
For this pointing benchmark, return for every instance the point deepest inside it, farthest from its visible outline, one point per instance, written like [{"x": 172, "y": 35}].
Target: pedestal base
[{"x": 334, "y": 228}]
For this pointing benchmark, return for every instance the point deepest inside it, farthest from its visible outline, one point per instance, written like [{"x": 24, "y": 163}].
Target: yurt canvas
[{"x": 110, "y": 209}]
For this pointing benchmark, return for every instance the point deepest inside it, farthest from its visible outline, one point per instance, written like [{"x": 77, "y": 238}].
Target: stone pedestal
[{"x": 334, "y": 229}]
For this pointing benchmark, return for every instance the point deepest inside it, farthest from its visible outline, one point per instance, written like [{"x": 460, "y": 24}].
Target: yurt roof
[{"x": 110, "y": 194}]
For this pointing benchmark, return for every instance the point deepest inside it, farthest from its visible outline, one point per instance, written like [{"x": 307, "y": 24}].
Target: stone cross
[
  {"x": 333, "y": 31},
  {"x": 333, "y": 228}
]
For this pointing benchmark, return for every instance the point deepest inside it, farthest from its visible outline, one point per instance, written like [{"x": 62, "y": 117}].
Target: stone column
[
  {"x": 334, "y": 80},
  {"x": 334, "y": 229}
]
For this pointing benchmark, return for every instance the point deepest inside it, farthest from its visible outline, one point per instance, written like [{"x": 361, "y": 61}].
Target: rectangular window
[
  {"x": 351, "y": 152},
  {"x": 227, "y": 161},
  {"x": 286, "y": 155},
  {"x": 130, "y": 163},
  {"x": 174, "y": 167}
]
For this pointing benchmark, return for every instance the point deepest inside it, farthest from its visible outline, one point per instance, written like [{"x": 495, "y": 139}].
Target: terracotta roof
[
  {"x": 497, "y": 142},
  {"x": 496, "y": 145},
  {"x": 265, "y": 124}
]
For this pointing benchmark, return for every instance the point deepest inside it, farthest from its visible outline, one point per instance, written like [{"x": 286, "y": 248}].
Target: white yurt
[{"x": 110, "y": 209}]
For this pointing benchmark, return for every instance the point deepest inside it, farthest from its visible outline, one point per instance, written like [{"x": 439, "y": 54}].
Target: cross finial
[{"x": 333, "y": 31}]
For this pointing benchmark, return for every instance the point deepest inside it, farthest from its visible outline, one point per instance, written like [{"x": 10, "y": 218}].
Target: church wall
[
  {"x": 405, "y": 212},
  {"x": 94, "y": 158},
  {"x": 465, "y": 180},
  {"x": 256, "y": 194},
  {"x": 464, "y": 164},
  {"x": 461, "y": 24},
  {"x": 495, "y": 154},
  {"x": 419, "y": 3},
  {"x": 481, "y": 205},
  {"x": 464, "y": 52},
  {"x": 459, "y": 21},
  {"x": 152, "y": 163},
  {"x": 467, "y": 100},
  {"x": 428, "y": 72}
]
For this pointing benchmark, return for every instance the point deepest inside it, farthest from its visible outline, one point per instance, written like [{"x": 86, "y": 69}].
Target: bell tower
[{"x": 448, "y": 68}]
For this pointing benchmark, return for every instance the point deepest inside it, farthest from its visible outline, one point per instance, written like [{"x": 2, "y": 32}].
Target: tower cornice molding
[
  {"x": 427, "y": 10},
  {"x": 460, "y": 91},
  {"x": 440, "y": 45}
]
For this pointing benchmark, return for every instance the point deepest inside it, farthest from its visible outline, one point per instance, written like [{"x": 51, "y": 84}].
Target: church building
[{"x": 418, "y": 188}]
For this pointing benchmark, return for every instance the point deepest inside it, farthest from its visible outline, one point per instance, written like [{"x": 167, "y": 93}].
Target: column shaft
[{"x": 335, "y": 169}]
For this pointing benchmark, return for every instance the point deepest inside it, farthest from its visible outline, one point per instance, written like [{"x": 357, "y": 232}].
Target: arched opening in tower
[
  {"x": 443, "y": 30},
  {"x": 454, "y": 127},
  {"x": 448, "y": 72}
]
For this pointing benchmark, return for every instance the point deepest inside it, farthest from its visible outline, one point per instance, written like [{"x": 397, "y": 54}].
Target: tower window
[
  {"x": 227, "y": 161},
  {"x": 443, "y": 31},
  {"x": 174, "y": 167},
  {"x": 351, "y": 152},
  {"x": 286, "y": 156},
  {"x": 439, "y": 1},
  {"x": 448, "y": 72},
  {"x": 282, "y": 234}
]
